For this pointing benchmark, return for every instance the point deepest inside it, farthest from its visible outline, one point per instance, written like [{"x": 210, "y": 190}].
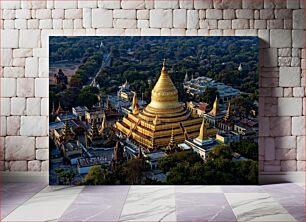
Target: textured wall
[{"x": 26, "y": 26}]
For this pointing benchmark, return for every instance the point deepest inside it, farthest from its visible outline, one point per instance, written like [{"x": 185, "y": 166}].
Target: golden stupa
[{"x": 152, "y": 126}]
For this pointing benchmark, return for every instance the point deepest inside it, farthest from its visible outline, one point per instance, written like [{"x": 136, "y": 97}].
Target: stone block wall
[{"x": 26, "y": 25}]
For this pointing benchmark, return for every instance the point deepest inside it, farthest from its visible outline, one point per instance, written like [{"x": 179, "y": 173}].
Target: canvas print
[{"x": 153, "y": 110}]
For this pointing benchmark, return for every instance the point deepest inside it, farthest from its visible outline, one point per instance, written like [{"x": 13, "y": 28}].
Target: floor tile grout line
[
  {"x": 274, "y": 201},
  {"x": 70, "y": 203},
  {"x": 229, "y": 205},
  {"x": 124, "y": 202},
  {"x": 283, "y": 206},
  {"x": 24, "y": 201}
]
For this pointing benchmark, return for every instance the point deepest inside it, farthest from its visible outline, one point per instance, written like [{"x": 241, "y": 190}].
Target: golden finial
[{"x": 164, "y": 65}]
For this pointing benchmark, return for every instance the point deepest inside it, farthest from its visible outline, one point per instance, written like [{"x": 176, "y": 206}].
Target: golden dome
[{"x": 164, "y": 94}]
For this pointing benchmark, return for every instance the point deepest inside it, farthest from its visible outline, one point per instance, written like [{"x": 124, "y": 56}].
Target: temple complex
[{"x": 152, "y": 127}]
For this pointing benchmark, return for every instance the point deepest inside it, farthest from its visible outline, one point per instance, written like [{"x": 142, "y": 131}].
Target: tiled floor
[{"x": 39, "y": 202}]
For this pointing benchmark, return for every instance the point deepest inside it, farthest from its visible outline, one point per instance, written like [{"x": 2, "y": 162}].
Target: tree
[
  {"x": 171, "y": 160},
  {"x": 179, "y": 174},
  {"x": 166, "y": 163},
  {"x": 242, "y": 105},
  {"x": 88, "y": 96},
  {"x": 68, "y": 97},
  {"x": 246, "y": 172},
  {"x": 134, "y": 169},
  {"x": 220, "y": 152},
  {"x": 95, "y": 176},
  {"x": 246, "y": 149},
  {"x": 209, "y": 95},
  {"x": 70, "y": 176},
  {"x": 58, "y": 173},
  {"x": 75, "y": 81}
]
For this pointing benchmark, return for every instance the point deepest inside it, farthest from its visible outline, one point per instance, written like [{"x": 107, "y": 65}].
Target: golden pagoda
[{"x": 152, "y": 126}]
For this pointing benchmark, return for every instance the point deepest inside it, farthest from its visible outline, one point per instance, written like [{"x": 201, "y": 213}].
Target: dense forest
[{"x": 139, "y": 60}]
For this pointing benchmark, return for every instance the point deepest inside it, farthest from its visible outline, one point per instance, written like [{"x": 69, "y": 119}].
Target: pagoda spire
[
  {"x": 172, "y": 139},
  {"x": 94, "y": 133},
  {"x": 228, "y": 112},
  {"x": 240, "y": 67},
  {"x": 86, "y": 140},
  {"x": 53, "y": 109},
  {"x": 108, "y": 104},
  {"x": 135, "y": 105},
  {"x": 172, "y": 143},
  {"x": 118, "y": 152},
  {"x": 59, "y": 109},
  {"x": 215, "y": 108},
  {"x": 67, "y": 133},
  {"x": 103, "y": 125},
  {"x": 202, "y": 135},
  {"x": 186, "y": 77},
  {"x": 139, "y": 156}
]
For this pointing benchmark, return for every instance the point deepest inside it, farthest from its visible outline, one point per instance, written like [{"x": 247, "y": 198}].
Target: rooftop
[
  {"x": 64, "y": 117},
  {"x": 80, "y": 108},
  {"x": 200, "y": 84},
  {"x": 156, "y": 155},
  {"x": 86, "y": 162}
]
